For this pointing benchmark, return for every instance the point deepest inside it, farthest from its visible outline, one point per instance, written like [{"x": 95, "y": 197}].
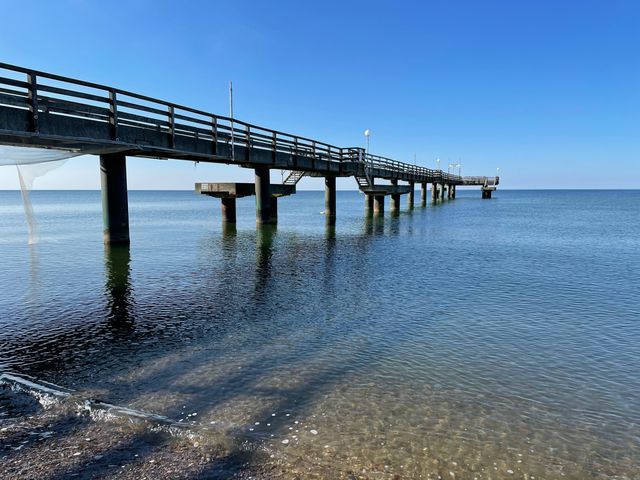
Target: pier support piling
[
  {"x": 453, "y": 191},
  {"x": 442, "y": 189},
  {"x": 368, "y": 202},
  {"x": 395, "y": 199},
  {"x": 449, "y": 187},
  {"x": 410, "y": 198},
  {"x": 434, "y": 192},
  {"x": 263, "y": 196},
  {"x": 115, "y": 203},
  {"x": 423, "y": 194},
  {"x": 378, "y": 204},
  {"x": 330, "y": 199},
  {"x": 486, "y": 193},
  {"x": 228, "y": 207}
]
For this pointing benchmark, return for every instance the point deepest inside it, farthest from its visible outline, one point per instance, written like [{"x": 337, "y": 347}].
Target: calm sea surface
[{"x": 492, "y": 338}]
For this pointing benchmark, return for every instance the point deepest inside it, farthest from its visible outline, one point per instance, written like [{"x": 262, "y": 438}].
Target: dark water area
[{"x": 476, "y": 338}]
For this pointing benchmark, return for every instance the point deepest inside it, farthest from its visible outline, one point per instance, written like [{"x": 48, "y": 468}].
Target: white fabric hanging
[{"x": 32, "y": 163}]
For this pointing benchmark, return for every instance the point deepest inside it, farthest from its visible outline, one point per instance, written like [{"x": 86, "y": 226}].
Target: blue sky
[{"x": 549, "y": 91}]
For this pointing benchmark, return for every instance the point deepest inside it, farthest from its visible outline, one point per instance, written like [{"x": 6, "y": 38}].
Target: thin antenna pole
[{"x": 233, "y": 153}]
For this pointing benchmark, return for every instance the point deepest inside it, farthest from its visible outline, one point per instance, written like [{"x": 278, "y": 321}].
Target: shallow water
[{"x": 489, "y": 339}]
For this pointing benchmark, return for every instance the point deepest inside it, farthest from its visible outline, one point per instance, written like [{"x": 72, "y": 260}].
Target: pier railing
[
  {"x": 378, "y": 162},
  {"x": 107, "y": 110}
]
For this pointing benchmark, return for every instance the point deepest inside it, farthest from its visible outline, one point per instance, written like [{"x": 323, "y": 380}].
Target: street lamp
[
  {"x": 367, "y": 133},
  {"x": 497, "y": 171},
  {"x": 438, "y": 163}
]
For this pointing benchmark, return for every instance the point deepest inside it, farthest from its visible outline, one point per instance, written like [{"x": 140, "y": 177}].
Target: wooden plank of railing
[
  {"x": 72, "y": 93},
  {"x": 186, "y": 118},
  {"x": 135, "y": 106},
  {"x": 13, "y": 82},
  {"x": 74, "y": 108},
  {"x": 142, "y": 120},
  {"x": 14, "y": 100},
  {"x": 10, "y": 91}
]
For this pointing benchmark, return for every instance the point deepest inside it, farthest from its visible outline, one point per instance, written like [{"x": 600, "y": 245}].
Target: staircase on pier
[{"x": 293, "y": 178}]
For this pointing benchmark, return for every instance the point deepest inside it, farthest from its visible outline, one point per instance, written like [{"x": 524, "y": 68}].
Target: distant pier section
[{"x": 45, "y": 110}]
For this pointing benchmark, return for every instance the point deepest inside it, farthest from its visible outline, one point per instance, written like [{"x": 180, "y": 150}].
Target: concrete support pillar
[
  {"x": 486, "y": 193},
  {"x": 330, "y": 199},
  {"x": 115, "y": 203},
  {"x": 395, "y": 199},
  {"x": 228, "y": 206},
  {"x": 449, "y": 187},
  {"x": 368, "y": 202},
  {"x": 453, "y": 191},
  {"x": 410, "y": 198},
  {"x": 434, "y": 192},
  {"x": 442, "y": 188},
  {"x": 423, "y": 194},
  {"x": 378, "y": 204},
  {"x": 263, "y": 196}
]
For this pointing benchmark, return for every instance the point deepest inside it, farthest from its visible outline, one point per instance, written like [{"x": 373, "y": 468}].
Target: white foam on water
[{"x": 47, "y": 395}]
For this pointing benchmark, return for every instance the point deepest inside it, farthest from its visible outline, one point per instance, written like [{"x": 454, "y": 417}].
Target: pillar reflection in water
[
  {"x": 329, "y": 277},
  {"x": 374, "y": 225},
  {"x": 118, "y": 286},
  {"x": 265, "y": 235},
  {"x": 330, "y": 232},
  {"x": 229, "y": 240}
]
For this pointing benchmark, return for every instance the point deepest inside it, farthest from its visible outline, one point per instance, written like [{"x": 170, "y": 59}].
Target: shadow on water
[
  {"x": 262, "y": 363},
  {"x": 252, "y": 312}
]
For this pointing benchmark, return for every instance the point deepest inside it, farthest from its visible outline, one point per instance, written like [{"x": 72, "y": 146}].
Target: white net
[{"x": 32, "y": 163}]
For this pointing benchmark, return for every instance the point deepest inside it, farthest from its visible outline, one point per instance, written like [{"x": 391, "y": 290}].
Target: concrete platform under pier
[
  {"x": 386, "y": 190},
  {"x": 238, "y": 190},
  {"x": 228, "y": 192}
]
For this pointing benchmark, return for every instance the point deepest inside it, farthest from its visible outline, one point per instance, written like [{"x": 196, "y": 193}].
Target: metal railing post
[{"x": 33, "y": 101}]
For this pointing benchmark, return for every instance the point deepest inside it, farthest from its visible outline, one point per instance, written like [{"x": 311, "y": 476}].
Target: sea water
[{"x": 489, "y": 338}]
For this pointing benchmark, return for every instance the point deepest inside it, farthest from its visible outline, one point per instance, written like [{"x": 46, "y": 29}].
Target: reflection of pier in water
[{"x": 117, "y": 260}]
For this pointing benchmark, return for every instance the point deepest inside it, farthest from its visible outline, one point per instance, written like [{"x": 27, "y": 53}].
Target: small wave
[{"x": 49, "y": 394}]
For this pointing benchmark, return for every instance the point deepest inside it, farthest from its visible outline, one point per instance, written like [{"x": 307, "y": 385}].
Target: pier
[{"x": 44, "y": 110}]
